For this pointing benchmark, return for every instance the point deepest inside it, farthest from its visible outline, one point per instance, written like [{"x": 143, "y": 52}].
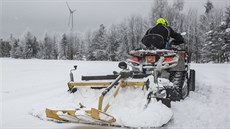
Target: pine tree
[
  {"x": 70, "y": 44},
  {"x": 113, "y": 43},
  {"x": 178, "y": 4},
  {"x": 175, "y": 16},
  {"x": 89, "y": 49},
  {"x": 210, "y": 22},
  {"x": 226, "y": 47},
  {"x": 28, "y": 43},
  {"x": 16, "y": 50},
  {"x": 35, "y": 47},
  {"x": 192, "y": 38},
  {"x": 124, "y": 47},
  {"x": 63, "y": 47},
  {"x": 227, "y": 16},
  {"x": 226, "y": 36},
  {"x": 14, "y": 44},
  {"x": 54, "y": 53},
  {"x": 135, "y": 28},
  {"x": 47, "y": 44},
  {"x": 99, "y": 44},
  {"x": 208, "y": 6},
  {"x": 5, "y": 48},
  {"x": 78, "y": 47}
]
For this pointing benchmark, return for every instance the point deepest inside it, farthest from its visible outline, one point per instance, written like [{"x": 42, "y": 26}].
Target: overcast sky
[{"x": 52, "y": 15}]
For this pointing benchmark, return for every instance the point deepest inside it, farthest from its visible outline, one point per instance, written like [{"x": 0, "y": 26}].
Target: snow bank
[
  {"x": 128, "y": 107},
  {"x": 29, "y": 86},
  {"x": 208, "y": 106}
]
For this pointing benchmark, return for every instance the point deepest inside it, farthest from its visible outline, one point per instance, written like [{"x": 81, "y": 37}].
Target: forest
[{"x": 207, "y": 36}]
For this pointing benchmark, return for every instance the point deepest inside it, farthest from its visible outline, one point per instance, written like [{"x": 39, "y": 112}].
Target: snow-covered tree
[
  {"x": 14, "y": 45},
  {"x": 227, "y": 16},
  {"x": 225, "y": 29},
  {"x": 69, "y": 46},
  {"x": 88, "y": 42},
  {"x": 35, "y": 47},
  {"x": 135, "y": 30},
  {"x": 4, "y": 48},
  {"x": 63, "y": 47},
  {"x": 29, "y": 45},
  {"x": 192, "y": 38},
  {"x": 78, "y": 47},
  {"x": 209, "y": 23},
  {"x": 54, "y": 52},
  {"x": 124, "y": 47},
  {"x": 178, "y": 18},
  {"x": 81, "y": 50},
  {"x": 126, "y": 36},
  {"x": 99, "y": 44},
  {"x": 113, "y": 43},
  {"x": 48, "y": 47},
  {"x": 16, "y": 50},
  {"x": 208, "y": 6},
  {"x": 178, "y": 4}
]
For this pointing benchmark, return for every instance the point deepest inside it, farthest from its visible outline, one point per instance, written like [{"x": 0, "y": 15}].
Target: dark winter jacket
[{"x": 159, "y": 36}]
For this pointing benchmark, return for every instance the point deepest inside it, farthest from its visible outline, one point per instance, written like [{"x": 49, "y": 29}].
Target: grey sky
[{"x": 52, "y": 15}]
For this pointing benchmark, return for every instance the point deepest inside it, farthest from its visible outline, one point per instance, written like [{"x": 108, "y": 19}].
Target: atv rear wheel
[
  {"x": 184, "y": 89},
  {"x": 180, "y": 86}
]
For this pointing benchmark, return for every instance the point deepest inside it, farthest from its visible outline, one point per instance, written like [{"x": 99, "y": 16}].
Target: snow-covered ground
[{"x": 28, "y": 86}]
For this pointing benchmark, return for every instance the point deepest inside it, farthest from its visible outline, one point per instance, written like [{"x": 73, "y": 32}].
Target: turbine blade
[{"x": 68, "y": 7}]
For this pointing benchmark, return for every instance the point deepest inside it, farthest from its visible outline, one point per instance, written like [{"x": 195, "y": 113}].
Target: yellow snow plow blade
[
  {"x": 53, "y": 113},
  {"x": 93, "y": 113},
  {"x": 104, "y": 84}
]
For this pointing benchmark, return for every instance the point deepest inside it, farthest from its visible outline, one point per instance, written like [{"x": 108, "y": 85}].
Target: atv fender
[{"x": 180, "y": 66}]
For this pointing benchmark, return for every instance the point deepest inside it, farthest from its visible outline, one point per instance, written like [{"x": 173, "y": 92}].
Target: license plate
[{"x": 150, "y": 59}]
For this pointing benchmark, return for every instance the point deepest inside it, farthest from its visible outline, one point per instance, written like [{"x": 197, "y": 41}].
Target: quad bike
[
  {"x": 172, "y": 81},
  {"x": 171, "y": 71}
]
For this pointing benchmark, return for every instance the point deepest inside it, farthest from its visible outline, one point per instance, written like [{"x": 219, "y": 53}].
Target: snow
[
  {"x": 208, "y": 107},
  {"x": 223, "y": 23},
  {"x": 227, "y": 30},
  {"x": 211, "y": 31},
  {"x": 29, "y": 86}
]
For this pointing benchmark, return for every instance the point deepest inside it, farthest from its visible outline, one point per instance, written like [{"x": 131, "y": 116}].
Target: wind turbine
[{"x": 70, "y": 16}]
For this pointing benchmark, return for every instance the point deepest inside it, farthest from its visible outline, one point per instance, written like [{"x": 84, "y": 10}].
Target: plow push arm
[{"x": 122, "y": 75}]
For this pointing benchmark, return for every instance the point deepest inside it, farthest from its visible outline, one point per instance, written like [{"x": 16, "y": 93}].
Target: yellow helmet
[{"x": 162, "y": 21}]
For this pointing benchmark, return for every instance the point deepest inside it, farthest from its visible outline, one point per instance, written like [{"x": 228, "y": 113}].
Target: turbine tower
[{"x": 70, "y": 24}]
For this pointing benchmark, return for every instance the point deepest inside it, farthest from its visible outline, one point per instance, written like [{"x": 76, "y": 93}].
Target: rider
[{"x": 159, "y": 36}]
